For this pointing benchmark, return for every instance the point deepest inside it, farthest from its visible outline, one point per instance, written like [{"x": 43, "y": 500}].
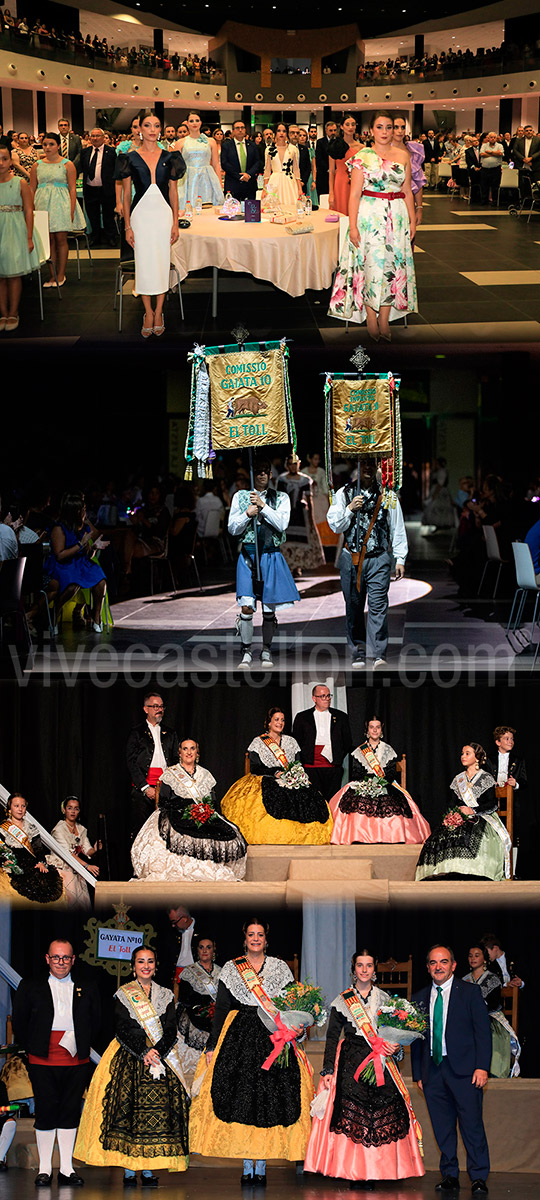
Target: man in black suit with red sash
[
  {"x": 150, "y": 749},
  {"x": 56, "y": 1019},
  {"x": 451, "y": 1067},
  {"x": 324, "y": 736}
]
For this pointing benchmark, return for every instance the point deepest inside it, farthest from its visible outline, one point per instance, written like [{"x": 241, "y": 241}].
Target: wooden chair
[
  {"x": 505, "y": 810},
  {"x": 396, "y": 976},
  {"x": 294, "y": 966},
  {"x": 247, "y": 764},
  {"x": 158, "y": 785},
  {"x": 510, "y": 1004},
  {"x": 401, "y": 768}
]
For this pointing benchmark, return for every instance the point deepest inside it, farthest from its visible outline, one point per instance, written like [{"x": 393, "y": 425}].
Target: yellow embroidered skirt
[
  {"x": 243, "y": 1111},
  {"x": 131, "y": 1120},
  {"x": 267, "y": 814}
]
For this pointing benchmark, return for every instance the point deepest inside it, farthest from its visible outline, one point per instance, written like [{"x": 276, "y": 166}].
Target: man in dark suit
[
  {"x": 181, "y": 950},
  {"x": 451, "y": 1067},
  {"x": 474, "y": 166},
  {"x": 433, "y": 154},
  {"x": 526, "y": 157},
  {"x": 501, "y": 966},
  {"x": 324, "y": 737},
  {"x": 98, "y": 165},
  {"x": 241, "y": 163},
  {"x": 321, "y": 158},
  {"x": 56, "y": 1019},
  {"x": 70, "y": 143},
  {"x": 149, "y": 750}
]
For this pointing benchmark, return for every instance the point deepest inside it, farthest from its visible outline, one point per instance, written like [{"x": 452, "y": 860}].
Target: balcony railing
[
  {"x": 477, "y": 68},
  {"x": 61, "y": 50}
]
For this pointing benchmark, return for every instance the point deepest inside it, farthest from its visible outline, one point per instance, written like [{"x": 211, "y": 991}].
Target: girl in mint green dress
[
  {"x": 18, "y": 253},
  {"x": 54, "y": 183}
]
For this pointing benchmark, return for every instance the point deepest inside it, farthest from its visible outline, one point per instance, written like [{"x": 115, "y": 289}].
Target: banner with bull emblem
[
  {"x": 363, "y": 420},
  {"x": 240, "y": 398}
]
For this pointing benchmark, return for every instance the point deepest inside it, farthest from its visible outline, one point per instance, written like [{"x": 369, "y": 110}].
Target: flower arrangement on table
[
  {"x": 294, "y": 777},
  {"x": 372, "y": 787}
]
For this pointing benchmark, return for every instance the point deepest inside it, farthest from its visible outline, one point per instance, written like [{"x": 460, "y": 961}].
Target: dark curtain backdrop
[
  {"x": 61, "y": 740},
  {"x": 387, "y": 932}
]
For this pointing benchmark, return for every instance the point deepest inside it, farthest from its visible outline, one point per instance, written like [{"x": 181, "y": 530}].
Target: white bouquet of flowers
[{"x": 294, "y": 777}]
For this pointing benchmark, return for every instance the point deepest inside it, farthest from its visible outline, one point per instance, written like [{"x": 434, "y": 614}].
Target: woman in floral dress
[{"x": 375, "y": 280}]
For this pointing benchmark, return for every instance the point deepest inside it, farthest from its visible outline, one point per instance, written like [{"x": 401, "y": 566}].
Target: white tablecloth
[{"x": 291, "y": 262}]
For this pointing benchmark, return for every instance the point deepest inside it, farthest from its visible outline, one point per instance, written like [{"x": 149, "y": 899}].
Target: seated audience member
[
  {"x": 207, "y": 503},
  {"x": 9, "y": 547},
  {"x": 532, "y": 540},
  {"x": 149, "y": 525},
  {"x": 182, "y": 530},
  {"x": 74, "y": 541}
]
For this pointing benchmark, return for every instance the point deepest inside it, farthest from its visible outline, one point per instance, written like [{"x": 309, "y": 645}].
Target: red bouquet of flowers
[{"x": 200, "y": 812}]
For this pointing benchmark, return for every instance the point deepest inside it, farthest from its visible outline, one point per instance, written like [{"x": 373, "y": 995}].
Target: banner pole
[
  {"x": 358, "y": 510},
  {"x": 252, "y": 479}
]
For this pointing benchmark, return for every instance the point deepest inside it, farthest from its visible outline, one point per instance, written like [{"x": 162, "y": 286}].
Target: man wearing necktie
[
  {"x": 451, "y": 1067},
  {"x": 98, "y": 166},
  {"x": 241, "y": 163},
  {"x": 70, "y": 144}
]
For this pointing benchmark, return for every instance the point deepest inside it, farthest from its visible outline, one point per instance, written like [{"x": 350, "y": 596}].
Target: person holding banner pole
[
  {"x": 373, "y": 534},
  {"x": 259, "y": 519},
  {"x": 246, "y": 1103},
  {"x": 136, "y": 1111}
]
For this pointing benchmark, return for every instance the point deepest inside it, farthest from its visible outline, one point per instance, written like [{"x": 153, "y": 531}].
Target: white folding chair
[
  {"x": 509, "y": 181},
  {"x": 526, "y": 583},
  {"x": 493, "y": 556}
]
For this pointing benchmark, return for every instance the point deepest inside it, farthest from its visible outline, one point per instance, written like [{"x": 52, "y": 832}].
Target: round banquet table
[{"x": 292, "y": 262}]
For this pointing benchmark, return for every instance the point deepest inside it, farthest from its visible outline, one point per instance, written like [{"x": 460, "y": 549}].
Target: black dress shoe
[
  {"x": 43, "y": 1180},
  {"x": 448, "y": 1184},
  {"x": 3, "y": 1164},
  {"x": 149, "y": 1180},
  {"x": 479, "y": 1187},
  {"x": 259, "y": 1180},
  {"x": 73, "y": 1180},
  {"x": 362, "y": 1185},
  {"x": 130, "y": 1181},
  {"x": 246, "y": 1181}
]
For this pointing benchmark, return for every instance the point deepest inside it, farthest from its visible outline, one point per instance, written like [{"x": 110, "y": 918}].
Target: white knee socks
[
  {"x": 45, "y": 1142},
  {"x": 66, "y": 1142},
  {"x": 6, "y": 1137}
]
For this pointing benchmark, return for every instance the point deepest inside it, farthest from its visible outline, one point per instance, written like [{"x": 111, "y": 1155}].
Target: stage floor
[{"x": 308, "y": 882}]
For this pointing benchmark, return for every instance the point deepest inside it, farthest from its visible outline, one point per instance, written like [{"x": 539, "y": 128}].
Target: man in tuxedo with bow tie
[
  {"x": 241, "y": 163},
  {"x": 451, "y": 1067},
  {"x": 56, "y": 1019},
  {"x": 98, "y": 165}
]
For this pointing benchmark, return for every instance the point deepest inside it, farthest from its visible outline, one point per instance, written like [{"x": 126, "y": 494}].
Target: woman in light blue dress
[
  {"x": 201, "y": 156},
  {"x": 18, "y": 254},
  {"x": 53, "y": 181}
]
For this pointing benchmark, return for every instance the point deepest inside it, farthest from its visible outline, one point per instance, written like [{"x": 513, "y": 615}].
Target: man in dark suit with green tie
[{"x": 451, "y": 1067}]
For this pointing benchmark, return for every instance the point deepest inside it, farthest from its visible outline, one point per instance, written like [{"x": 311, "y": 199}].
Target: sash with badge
[
  {"x": 377, "y": 1056},
  {"x": 146, "y": 1015}
]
